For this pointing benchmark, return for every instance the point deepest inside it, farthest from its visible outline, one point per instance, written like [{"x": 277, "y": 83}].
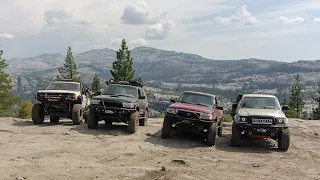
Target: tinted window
[
  {"x": 64, "y": 86},
  {"x": 196, "y": 99},
  {"x": 116, "y": 89},
  {"x": 260, "y": 103}
]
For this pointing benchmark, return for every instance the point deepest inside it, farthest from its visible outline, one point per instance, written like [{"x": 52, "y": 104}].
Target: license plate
[
  {"x": 52, "y": 99},
  {"x": 108, "y": 112},
  {"x": 262, "y": 130},
  {"x": 261, "y": 121}
]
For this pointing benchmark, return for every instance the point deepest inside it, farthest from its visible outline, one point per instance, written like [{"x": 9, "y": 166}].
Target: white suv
[{"x": 62, "y": 98}]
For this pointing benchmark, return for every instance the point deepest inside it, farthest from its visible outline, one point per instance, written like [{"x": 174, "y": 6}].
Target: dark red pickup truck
[{"x": 196, "y": 112}]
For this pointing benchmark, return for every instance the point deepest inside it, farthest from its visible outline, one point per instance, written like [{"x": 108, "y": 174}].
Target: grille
[
  {"x": 261, "y": 120},
  {"x": 111, "y": 104},
  {"x": 188, "y": 114},
  {"x": 54, "y": 95}
]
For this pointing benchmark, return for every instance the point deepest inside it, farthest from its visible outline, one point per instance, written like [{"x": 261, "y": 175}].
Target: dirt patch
[{"x": 65, "y": 151}]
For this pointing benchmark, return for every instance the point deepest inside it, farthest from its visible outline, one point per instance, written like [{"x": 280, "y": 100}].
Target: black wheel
[
  {"x": 284, "y": 140},
  {"x": 133, "y": 122},
  {"x": 220, "y": 129},
  {"x": 77, "y": 114},
  {"x": 166, "y": 128},
  {"x": 212, "y": 133},
  {"x": 235, "y": 136},
  {"x": 144, "y": 120},
  {"x": 37, "y": 114},
  {"x": 54, "y": 119},
  {"x": 92, "y": 119}
]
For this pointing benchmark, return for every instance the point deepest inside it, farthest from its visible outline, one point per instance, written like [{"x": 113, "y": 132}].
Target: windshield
[
  {"x": 196, "y": 99},
  {"x": 260, "y": 103},
  {"x": 122, "y": 90},
  {"x": 64, "y": 86}
]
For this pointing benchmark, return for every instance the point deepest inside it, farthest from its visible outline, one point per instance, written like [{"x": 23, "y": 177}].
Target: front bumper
[
  {"x": 189, "y": 124},
  {"x": 113, "y": 113},
  {"x": 261, "y": 129}
]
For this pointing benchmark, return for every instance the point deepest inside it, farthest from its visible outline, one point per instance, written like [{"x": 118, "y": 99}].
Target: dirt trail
[{"x": 65, "y": 151}]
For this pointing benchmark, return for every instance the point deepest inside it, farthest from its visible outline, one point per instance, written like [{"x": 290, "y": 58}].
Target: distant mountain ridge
[{"x": 171, "y": 71}]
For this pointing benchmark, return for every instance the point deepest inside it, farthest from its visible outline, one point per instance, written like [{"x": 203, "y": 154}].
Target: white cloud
[
  {"x": 59, "y": 17},
  {"x": 115, "y": 42},
  {"x": 139, "y": 13},
  {"x": 159, "y": 31},
  {"x": 138, "y": 42},
  {"x": 241, "y": 15},
  {"x": 316, "y": 20},
  {"x": 286, "y": 20},
  {"x": 6, "y": 36}
]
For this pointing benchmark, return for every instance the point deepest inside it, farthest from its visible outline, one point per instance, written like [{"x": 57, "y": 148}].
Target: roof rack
[
  {"x": 131, "y": 83},
  {"x": 67, "y": 80}
]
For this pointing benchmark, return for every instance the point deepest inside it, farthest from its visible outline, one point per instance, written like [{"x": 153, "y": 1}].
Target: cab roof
[
  {"x": 258, "y": 95},
  {"x": 200, "y": 93}
]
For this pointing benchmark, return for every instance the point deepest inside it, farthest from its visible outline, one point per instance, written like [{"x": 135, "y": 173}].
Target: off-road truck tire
[
  {"x": 133, "y": 122},
  {"x": 235, "y": 136},
  {"x": 37, "y": 114},
  {"x": 166, "y": 128},
  {"x": 92, "y": 119},
  {"x": 54, "y": 119},
  {"x": 284, "y": 140},
  {"x": 212, "y": 133},
  {"x": 143, "y": 121},
  {"x": 77, "y": 114}
]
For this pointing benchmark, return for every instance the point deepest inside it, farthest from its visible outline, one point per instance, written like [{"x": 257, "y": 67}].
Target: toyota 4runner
[
  {"x": 194, "y": 112},
  {"x": 62, "y": 98},
  {"x": 260, "y": 116},
  {"x": 122, "y": 102}
]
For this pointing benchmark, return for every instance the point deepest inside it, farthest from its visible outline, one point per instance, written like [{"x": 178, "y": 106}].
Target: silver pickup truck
[{"x": 260, "y": 116}]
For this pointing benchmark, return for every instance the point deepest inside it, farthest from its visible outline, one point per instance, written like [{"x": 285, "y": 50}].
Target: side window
[
  {"x": 216, "y": 102},
  {"x": 141, "y": 92}
]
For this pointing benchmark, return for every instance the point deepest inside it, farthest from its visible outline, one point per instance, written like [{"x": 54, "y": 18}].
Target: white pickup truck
[
  {"x": 62, "y": 98},
  {"x": 260, "y": 116}
]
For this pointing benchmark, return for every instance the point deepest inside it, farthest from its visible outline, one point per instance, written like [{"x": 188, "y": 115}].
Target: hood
[
  {"x": 117, "y": 99},
  {"x": 261, "y": 112},
  {"x": 56, "y": 91},
  {"x": 191, "y": 107}
]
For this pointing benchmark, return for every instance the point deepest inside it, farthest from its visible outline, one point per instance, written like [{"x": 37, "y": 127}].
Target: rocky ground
[{"x": 65, "y": 151}]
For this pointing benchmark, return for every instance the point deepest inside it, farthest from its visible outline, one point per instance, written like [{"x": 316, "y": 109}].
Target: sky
[{"x": 283, "y": 30}]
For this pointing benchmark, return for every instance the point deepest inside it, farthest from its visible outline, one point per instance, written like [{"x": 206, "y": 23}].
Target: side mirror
[
  {"x": 220, "y": 108},
  {"x": 142, "y": 97},
  {"x": 173, "y": 100},
  {"x": 234, "y": 106},
  {"x": 285, "y": 108}
]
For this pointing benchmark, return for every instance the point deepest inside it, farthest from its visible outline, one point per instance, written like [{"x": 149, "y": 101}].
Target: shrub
[
  {"x": 25, "y": 109},
  {"x": 227, "y": 118}
]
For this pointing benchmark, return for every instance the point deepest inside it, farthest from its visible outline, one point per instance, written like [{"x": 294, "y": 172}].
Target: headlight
[
  {"x": 171, "y": 111},
  {"x": 128, "y": 105},
  {"x": 95, "y": 101},
  {"x": 282, "y": 120},
  {"x": 242, "y": 119},
  {"x": 205, "y": 116}
]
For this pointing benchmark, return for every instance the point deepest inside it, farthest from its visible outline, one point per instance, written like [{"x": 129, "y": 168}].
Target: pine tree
[
  {"x": 316, "y": 111},
  {"x": 6, "y": 96},
  {"x": 69, "y": 68},
  {"x": 296, "y": 99},
  {"x": 122, "y": 68},
  {"x": 95, "y": 86}
]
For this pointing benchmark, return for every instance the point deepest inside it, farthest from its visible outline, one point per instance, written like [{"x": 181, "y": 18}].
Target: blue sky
[{"x": 280, "y": 30}]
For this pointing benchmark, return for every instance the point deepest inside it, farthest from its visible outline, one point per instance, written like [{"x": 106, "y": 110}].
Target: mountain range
[{"x": 167, "y": 73}]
